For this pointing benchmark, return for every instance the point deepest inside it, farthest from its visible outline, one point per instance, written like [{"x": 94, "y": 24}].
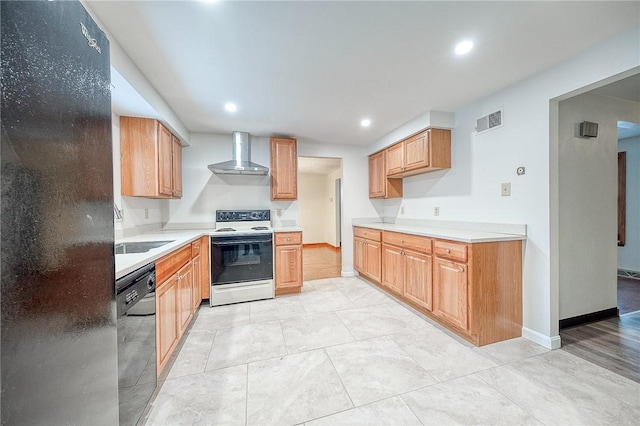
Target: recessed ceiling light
[
  {"x": 231, "y": 107},
  {"x": 365, "y": 123},
  {"x": 464, "y": 47}
]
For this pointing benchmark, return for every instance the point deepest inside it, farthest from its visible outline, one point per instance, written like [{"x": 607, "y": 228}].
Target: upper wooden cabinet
[
  {"x": 150, "y": 159},
  {"x": 427, "y": 151},
  {"x": 284, "y": 169},
  {"x": 424, "y": 152},
  {"x": 379, "y": 185}
]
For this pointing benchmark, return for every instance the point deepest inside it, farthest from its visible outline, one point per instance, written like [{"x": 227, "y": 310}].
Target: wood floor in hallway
[{"x": 321, "y": 262}]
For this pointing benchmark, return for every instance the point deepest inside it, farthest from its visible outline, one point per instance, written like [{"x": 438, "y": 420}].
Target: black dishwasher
[{"x": 136, "y": 304}]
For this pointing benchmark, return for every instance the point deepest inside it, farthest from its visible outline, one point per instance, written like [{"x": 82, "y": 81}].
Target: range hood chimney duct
[{"x": 240, "y": 163}]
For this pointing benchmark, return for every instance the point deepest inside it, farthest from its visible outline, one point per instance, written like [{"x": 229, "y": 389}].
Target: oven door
[{"x": 241, "y": 258}]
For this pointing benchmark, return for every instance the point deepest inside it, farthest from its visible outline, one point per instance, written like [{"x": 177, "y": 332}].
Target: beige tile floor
[{"x": 344, "y": 353}]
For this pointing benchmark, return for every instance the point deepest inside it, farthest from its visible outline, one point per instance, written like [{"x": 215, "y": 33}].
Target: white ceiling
[
  {"x": 318, "y": 165},
  {"x": 314, "y": 69}
]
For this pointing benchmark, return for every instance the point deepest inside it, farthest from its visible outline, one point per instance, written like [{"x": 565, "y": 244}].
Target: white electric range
[{"x": 241, "y": 257}]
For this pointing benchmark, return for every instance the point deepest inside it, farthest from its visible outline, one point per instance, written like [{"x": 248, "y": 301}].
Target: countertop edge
[{"x": 465, "y": 236}]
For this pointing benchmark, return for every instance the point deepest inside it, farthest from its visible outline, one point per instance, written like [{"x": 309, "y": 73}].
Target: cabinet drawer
[
  {"x": 411, "y": 242},
  {"x": 169, "y": 265},
  {"x": 450, "y": 250},
  {"x": 288, "y": 238},
  {"x": 195, "y": 248},
  {"x": 367, "y": 233}
]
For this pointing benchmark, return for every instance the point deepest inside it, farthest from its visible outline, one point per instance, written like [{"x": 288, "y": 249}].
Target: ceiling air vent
[{"x": 489, "y": 122}]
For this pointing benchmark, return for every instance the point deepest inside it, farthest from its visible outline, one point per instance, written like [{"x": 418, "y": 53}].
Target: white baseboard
[
  {"x": 546, "y": 341},
  {"x": 348, "y": 273}
]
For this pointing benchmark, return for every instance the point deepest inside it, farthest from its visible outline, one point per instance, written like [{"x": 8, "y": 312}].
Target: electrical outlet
[
  {"x": 146, "y": 213},
  {"x": 506, "y": 189},
  {"x": 436, "y": 211},
  {"x": 279, "y": 212},
  {"x": 402, "y": 210}
]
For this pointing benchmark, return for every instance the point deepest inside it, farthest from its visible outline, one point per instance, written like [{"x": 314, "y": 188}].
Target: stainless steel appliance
[
  {"x": 136, "y": 307},
  {"x": 241, "y": 257},
  {"x": 240, "y": 164},
  {"x": 59, "y": 343}
]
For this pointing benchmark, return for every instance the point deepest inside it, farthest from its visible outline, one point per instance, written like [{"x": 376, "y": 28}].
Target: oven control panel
[{"x": 242, "y": 215}]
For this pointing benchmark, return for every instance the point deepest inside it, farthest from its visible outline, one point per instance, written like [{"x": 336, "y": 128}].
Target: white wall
[
  {"x": 139, "y": 214},
  {"x": 629, "y": 255},
  {"x": 470, "y": 190},
  {"x": 204, "y": 192},
  {"x": 313, "y": 200},
  {"x": 588, "y": 194}
]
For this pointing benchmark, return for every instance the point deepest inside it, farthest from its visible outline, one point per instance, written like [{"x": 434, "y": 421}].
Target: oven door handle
[{"x": 233, "y": 243}]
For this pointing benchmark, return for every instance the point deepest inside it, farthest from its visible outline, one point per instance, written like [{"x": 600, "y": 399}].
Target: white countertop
[
  {"x": 126, "y": 263},
  {"x": 462, "y": 235}
]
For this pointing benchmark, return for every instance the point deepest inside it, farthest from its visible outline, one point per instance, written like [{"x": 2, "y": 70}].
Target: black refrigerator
[{"x": 58, "y": 334}]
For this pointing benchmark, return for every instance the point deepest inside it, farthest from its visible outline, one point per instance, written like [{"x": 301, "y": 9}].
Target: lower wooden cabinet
[
  {"x": 368, "y": 253},
  {"x": 473, "y": 289},
  {"x": 166, "y": 320},
  {"x": 205, "y": 260},
  {"x": 288, "y": 262},
  {"x": 417, "y": 278},
  {"x": 407, "y": 272},
  {"x": 178, "y": 296},
  {"x": 185, "y": 286},
  {"x": 451, "y": 301}
]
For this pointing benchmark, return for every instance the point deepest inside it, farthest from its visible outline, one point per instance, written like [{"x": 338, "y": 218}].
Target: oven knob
[{"x": 151, "y": 281}]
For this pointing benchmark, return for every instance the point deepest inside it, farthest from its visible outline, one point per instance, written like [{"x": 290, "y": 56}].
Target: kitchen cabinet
[
  {"x": 284, "y": 169},
  {"x": 427, "y": 151},
  {"x": 185, "y": 298},
  {"x": 407, "y": 266},
  {"x": 369, "y": 254},
  {"x": 288, "y": 259},
  {"x": 174, "y": 303},
  {"x": 205, "y": 282},
  {"x": 150, "y": 159},
  {"x": 474, "y": 289},
  {"x": 451, "y": 301},
  {"x": 379, "y": 185},
  {"x": 166, "y": 320},
  {"x": 196, "y": 282}
]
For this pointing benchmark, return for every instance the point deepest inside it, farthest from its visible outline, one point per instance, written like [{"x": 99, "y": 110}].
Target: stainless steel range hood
[{"x": 240, "y": 164}]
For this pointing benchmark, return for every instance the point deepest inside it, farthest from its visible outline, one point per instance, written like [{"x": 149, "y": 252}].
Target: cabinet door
[
  {"x": 394, "y": 158},
  {"x": 417, "y": 152},
  {"x": 373, "y": 260},
  {"x": 176, "y": 167},
  {"x": 417, "y": 278},
  {"x": 288, "y": 266},
  {"x": 450, "y": 300},
  {"x": 165, "y": 161},
  {"x": 166, "y": 319},
  {"x": 358, "y": 254},
  {"x": 195, "y": 282},
  {"x": 205, "y": 283},
  {"x": 284, "y": 169},
  {"x": 377, "y": 176},
  {"x": 393, "y": 270},
  {"x": 185, "y": 300}
]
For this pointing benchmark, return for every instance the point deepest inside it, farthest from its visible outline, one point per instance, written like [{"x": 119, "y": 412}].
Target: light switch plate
[{"x": 506, "y": 189}]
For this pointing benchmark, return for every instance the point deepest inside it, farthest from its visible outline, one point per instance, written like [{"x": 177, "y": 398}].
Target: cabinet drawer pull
[
  {"x": 461, "y": 269},
  {"x": 447, "y": 251}
]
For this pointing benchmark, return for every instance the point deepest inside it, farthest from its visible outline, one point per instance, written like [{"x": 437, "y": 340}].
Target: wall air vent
[{"x": 489, "y": 122}]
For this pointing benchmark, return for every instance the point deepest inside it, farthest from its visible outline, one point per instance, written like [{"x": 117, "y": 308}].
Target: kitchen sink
[{"x": 139, "y": 247}]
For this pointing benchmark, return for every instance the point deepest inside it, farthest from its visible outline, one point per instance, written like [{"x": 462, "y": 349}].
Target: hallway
[
  {"x": 321, "y": 261},
  {"x": 628, "y": 295}
]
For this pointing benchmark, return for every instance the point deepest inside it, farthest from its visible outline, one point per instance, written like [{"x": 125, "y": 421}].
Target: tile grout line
[{"x": 246, "y": 398}]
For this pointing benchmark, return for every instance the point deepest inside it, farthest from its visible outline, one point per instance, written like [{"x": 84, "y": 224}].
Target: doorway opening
[
  {"x": 628, "y": 217},
  {"x": 320, "y": 215}
]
